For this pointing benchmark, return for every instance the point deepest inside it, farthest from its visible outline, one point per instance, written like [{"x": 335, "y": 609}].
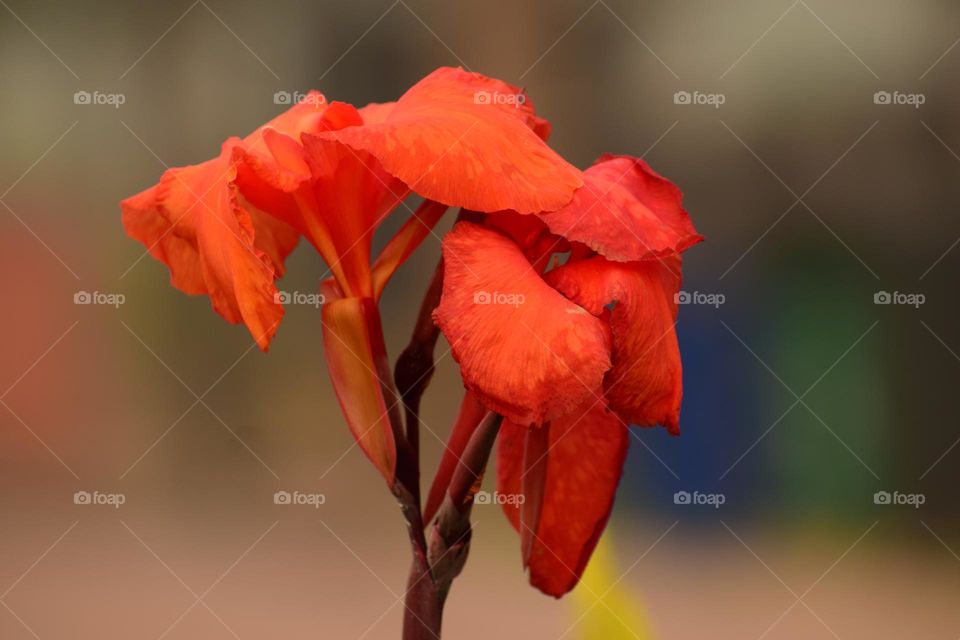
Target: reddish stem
[
  {"x": 436, "y": 564},
  {"x": 413, "y": 371},
  {"x": 414, "y": 368}
]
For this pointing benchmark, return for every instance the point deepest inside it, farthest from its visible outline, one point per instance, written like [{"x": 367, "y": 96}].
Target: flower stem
[
  {"x": 415, "y": 366},
  {"x": 412, "y": 372},
  {"x": 435, "y": 563},
  {"x": 433, "y": 571},
  {"x": 423, "y": 606}
]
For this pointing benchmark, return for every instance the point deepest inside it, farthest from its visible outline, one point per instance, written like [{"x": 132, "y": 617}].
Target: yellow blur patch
[{"x": 604, "y": 608}]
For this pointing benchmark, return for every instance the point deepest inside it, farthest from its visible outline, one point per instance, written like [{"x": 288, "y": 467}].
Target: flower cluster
[{"x": 558, "y": 285}]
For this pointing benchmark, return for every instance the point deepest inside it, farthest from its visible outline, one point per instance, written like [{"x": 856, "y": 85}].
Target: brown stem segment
[
  {"x": 437, "y": 562},
  {"x": 412, "y": 372},
  {"x": 433, "y": 572},
  {"x": 414, "y": 367},
  {"x": 422, "y": 616}
]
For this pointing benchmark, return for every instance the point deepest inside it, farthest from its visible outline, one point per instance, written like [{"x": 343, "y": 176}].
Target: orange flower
[
  {"x": 332, "y": 173},
  {"x": 569, "y": 354}
]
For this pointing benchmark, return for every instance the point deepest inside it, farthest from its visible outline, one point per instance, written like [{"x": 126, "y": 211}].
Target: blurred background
[{"x": 817, "y": 146}]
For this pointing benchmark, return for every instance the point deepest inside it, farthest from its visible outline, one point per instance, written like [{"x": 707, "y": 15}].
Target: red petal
[
  {"x": 347, "y": 197},
  {"x": 450, "y": 144},
  {"x": 274, "y": 153},
  {"x": 541, "y": 127},
  {"x": 306, "y": 115},
  {"x": 194, "y": 222},
  {"x": 645, "y": 384},
  {"x": 584, "y": 461},
  {"x": 525, "y": 230},
  {"x": 217, "y": 242},
  {"x": 376, "y": 112},
  {"x": 335, "y": 196},
  {"x": 525, "y": 350},
  {"x": 356, "y": 359},
  {"x": 531, "y": 235},
  {"x": 626, "y": 211}
]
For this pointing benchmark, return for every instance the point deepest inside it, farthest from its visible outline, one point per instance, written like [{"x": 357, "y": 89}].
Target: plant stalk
[
  {"x": 433, "y": 572},
  {"x": 438, "y": 561},
  {"x": 412, "y": 372}
]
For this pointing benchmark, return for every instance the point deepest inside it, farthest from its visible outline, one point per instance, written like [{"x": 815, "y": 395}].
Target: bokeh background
[{"x": 803, "y": 398}]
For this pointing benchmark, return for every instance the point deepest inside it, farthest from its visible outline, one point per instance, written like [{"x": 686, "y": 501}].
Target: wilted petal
[
  {"x": 196, "y": 223},
  {"x": 214, "y": 236}
]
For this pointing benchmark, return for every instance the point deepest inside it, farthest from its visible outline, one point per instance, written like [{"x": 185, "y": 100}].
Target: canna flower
[
  {"x": 570, "y": 354},
  {"x": 331, "y": 173}
]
